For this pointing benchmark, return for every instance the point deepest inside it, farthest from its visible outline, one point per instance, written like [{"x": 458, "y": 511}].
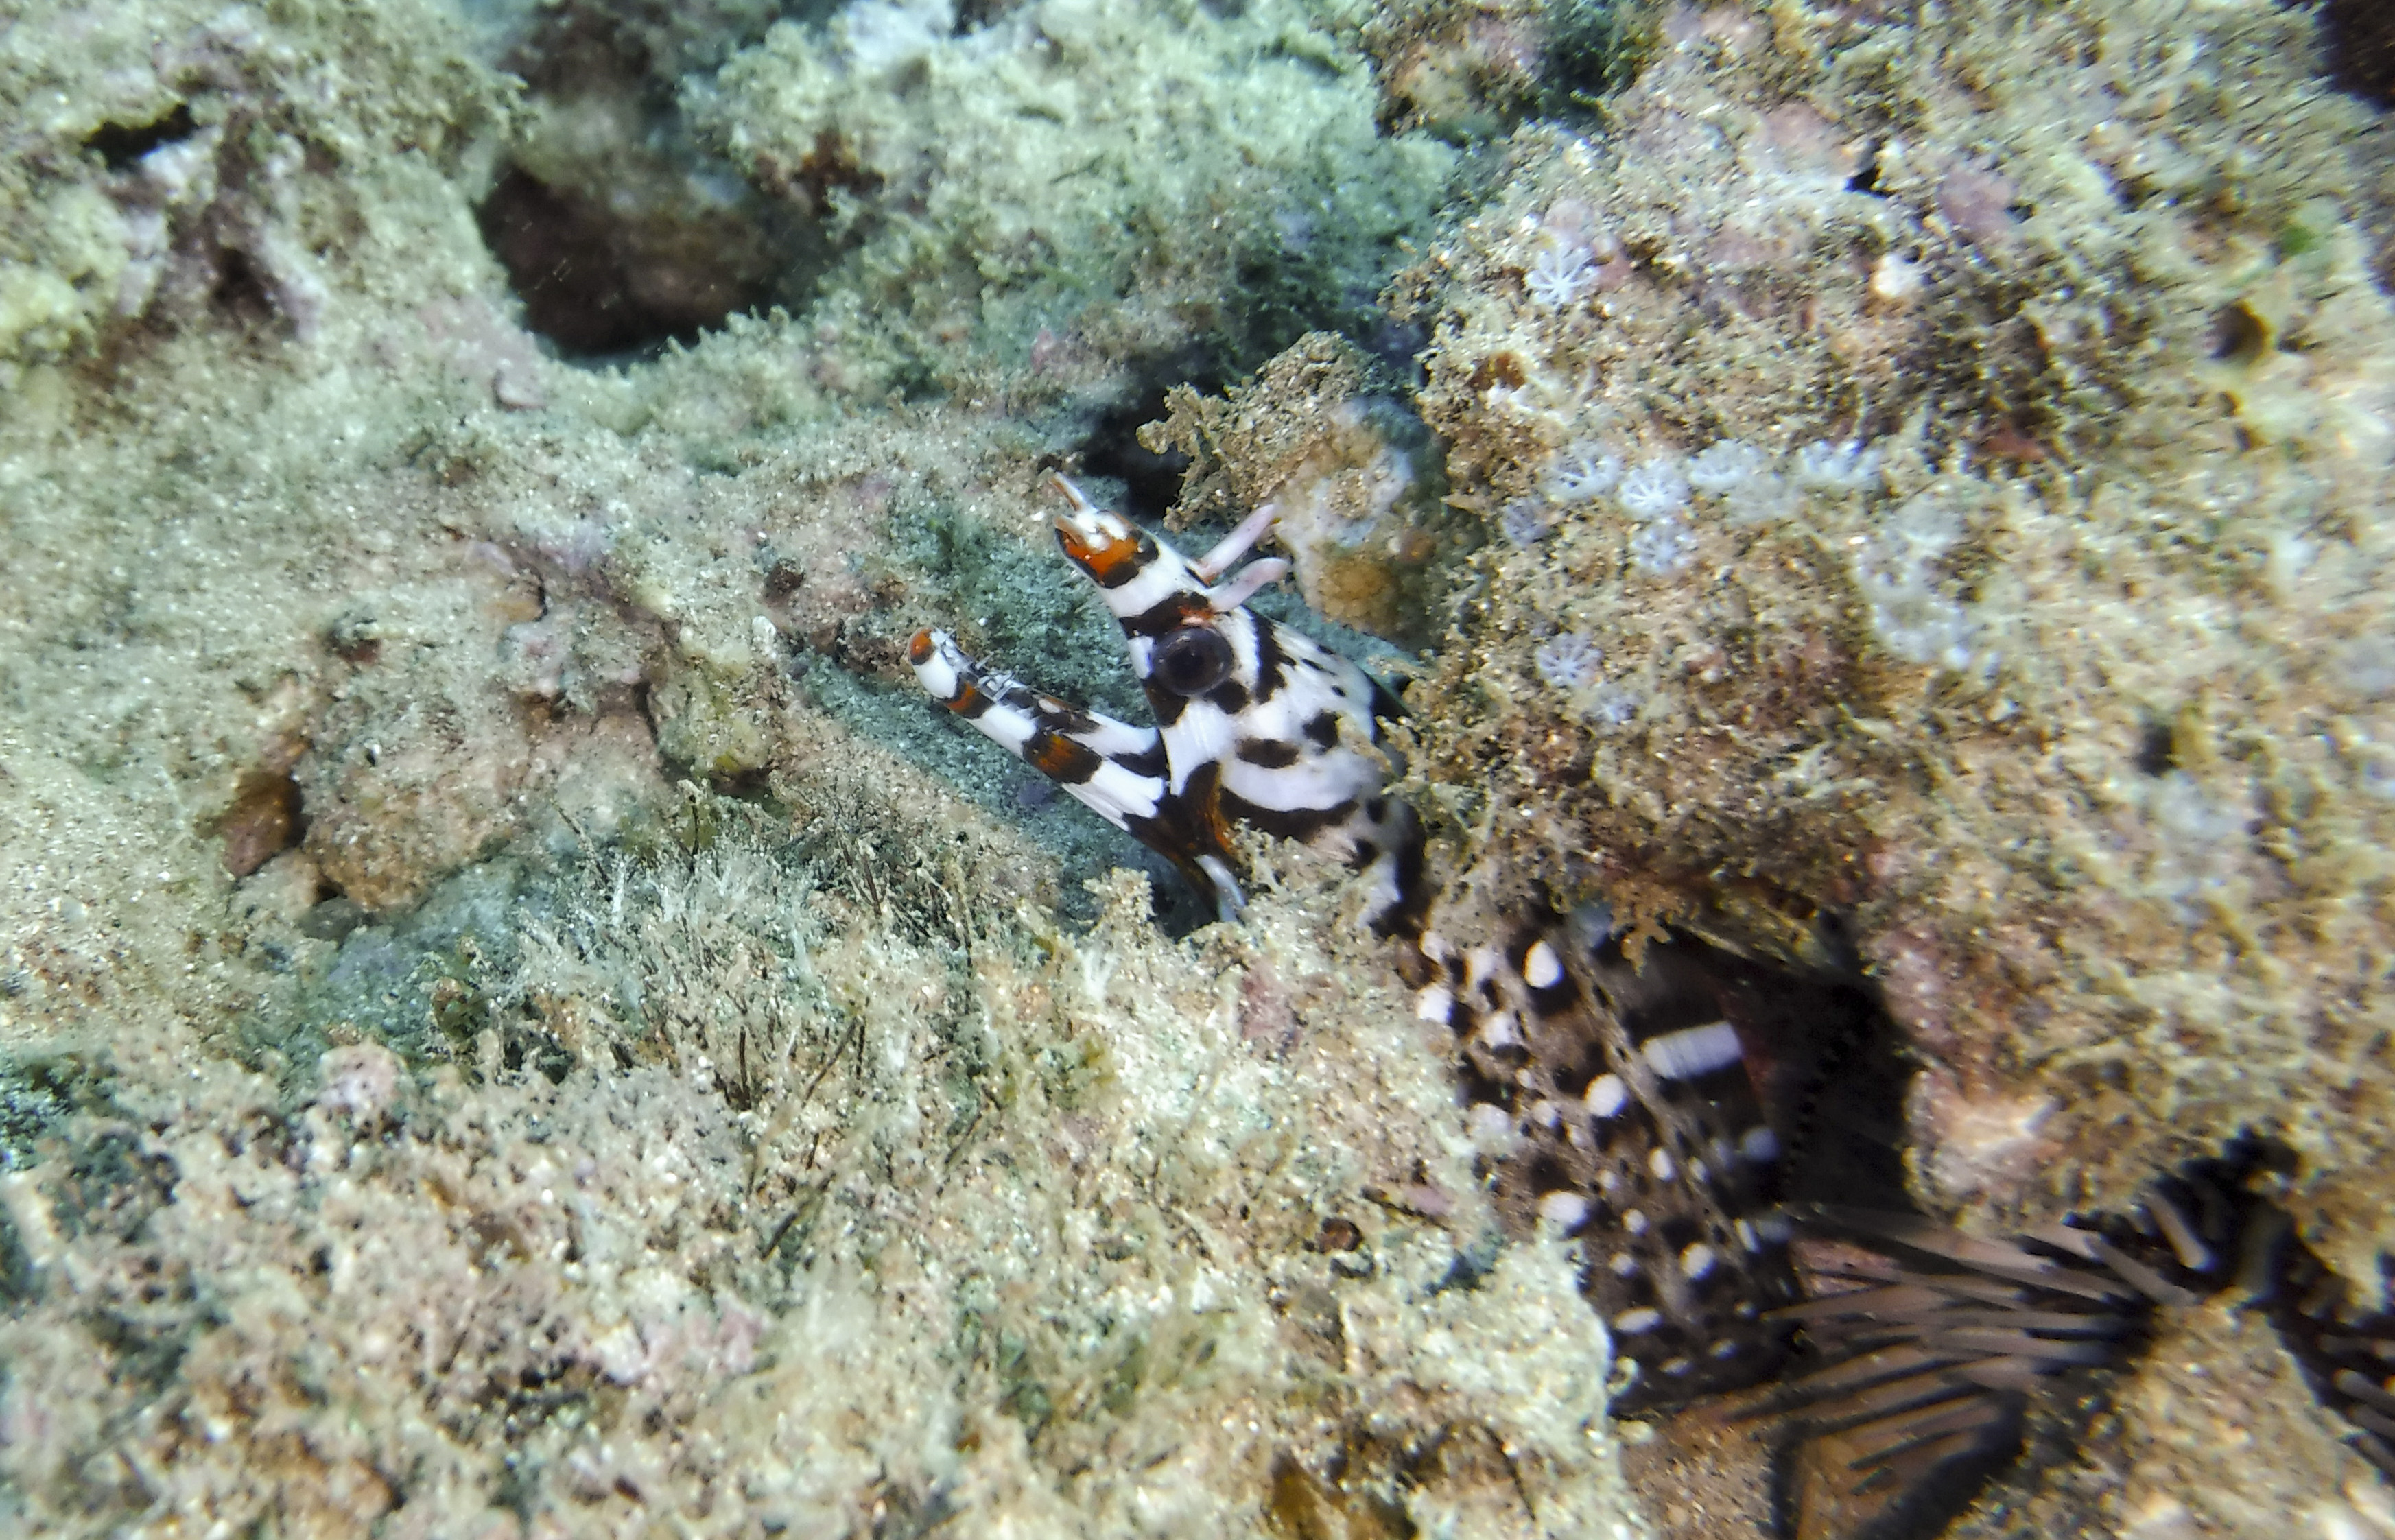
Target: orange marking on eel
[
  {"x": 1203, "y": 798},
  {"x": 919, "y": 649},
  {"x": 1054, "y": 754},
  {"x": 1099, "y": 562}
]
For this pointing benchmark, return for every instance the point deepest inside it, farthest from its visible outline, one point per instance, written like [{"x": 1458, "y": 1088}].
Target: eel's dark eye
[{"x": 1192, "y": 660}]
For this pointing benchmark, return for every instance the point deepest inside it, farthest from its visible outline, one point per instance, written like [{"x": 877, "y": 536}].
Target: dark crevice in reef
[
  {"x": 975, "y": 15},
  {"x": 2359, "y": 38},
  {"x": 601, "y": 281},
  {"x": 1151, "y": 482},
  {"x": 1472, "y": 75},
  {"x": 121, "y": 145},
  {"x": 622, "y": 234},
  {"x": 1830, "y": 1068},
  {"x": 619, "y": 232},
  {"x": 1590, "y": 53}
]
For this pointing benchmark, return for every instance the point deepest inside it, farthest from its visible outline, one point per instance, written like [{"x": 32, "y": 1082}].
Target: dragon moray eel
[
  {"x": 1900, "y": 1354},
  {"x": 1254, "y": 722}
]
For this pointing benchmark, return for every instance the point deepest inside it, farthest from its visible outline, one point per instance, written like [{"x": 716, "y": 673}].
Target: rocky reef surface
[{"x": 516, "y": 1017}]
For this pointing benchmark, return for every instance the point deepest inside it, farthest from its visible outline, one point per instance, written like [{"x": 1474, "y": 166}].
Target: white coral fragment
[
  {"x": 882, "y": 34},
  {"x": 361, "y": 1080}
]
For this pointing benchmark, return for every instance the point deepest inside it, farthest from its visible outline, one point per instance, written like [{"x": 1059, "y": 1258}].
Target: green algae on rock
[{"x": 520, "y": 1136}]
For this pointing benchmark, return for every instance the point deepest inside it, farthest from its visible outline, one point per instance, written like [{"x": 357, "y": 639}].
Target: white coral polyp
[
  {"x": 1524, "y": 523},
  {"x": 1558, "y": 276},
  {"x": 1613, "y": 707},
  {"x": 1928, "y": 526},
  {"x": 1731, "y": 463},
  {"x": 1567, "y": 661},
  {"x": 1663, "y": 546},
  {"x": 1654, "y": 490},
  {"x": 1915, "y": 622},
  {"x": 1581, "y": 474},
  {"x": 1849, "y": 467},
  {"x": 1765, "y": 499}
]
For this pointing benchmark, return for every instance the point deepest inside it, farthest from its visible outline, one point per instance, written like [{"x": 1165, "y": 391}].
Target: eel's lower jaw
[{"x": 1230, "y": 901}]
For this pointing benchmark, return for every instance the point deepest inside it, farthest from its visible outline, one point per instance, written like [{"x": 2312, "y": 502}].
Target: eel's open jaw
[
  {"x": 1098, "y": 542},
  {"x": 1105, "y": 545}
]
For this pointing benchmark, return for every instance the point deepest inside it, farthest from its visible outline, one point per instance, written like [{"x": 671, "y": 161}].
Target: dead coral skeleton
[{"x": 211, "y": 210}]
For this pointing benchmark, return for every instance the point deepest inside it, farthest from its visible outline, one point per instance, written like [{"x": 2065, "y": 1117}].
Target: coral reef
[
  {"x": 176, "y": 171},
  {"x": 506, "y": 1002},
  {"x": 2037, "y": 563},
  {"x": 2046, "y": 567},
  {"x": 1470, "y": 69},
  {"x": 618, "y": 230},
  {"x": 1078, "y": 184},
  {"x": 516, "y": 1017},
  {"x": 725, "y": 1201}
]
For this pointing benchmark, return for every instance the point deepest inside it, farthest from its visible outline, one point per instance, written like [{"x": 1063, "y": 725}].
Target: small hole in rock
[
  {"x": 2157, "y": 754},
  {"x": 2238, "y": 335},
  {"x": 264, "y": 820},
  {"x": 241, "y": 291},
  {"x": 332, "y": 918},
  {"x": 619, "y": 233},
  {"x": 604, "y": 279},
  {"x": 1151, "y": 482},
  {"x": 122, "y": 144}
]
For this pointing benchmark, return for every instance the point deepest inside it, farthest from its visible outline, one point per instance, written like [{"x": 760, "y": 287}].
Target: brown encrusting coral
[{"x": 1350, "y": 471}]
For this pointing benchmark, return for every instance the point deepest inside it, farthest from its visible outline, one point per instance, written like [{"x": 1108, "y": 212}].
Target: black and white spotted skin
[
  {"x": 1622, "y": 1099},
  {"x": 1115, "y": 769}
]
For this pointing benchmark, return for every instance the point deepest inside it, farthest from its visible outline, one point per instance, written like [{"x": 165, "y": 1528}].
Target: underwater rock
[
  {"x": 1350, "y": 471},
  {"x": 1908, "y": 679},
  {"x": 1086, "y": 172}
]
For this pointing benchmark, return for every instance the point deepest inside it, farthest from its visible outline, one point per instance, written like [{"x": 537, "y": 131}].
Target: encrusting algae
[{"x": 516, "y": 1017}]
